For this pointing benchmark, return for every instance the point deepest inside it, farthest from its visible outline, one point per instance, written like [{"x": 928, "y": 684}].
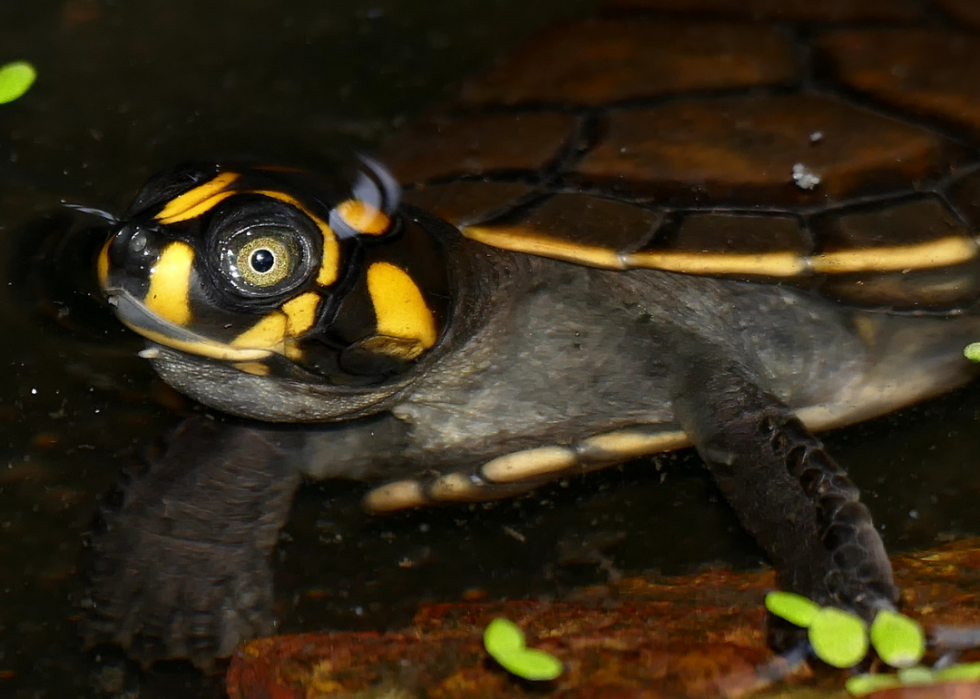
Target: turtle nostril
[
  {"x": 137, "y": 242},
  {"x": 131, "y": 249},
  {"x": 128, "y": 246}
]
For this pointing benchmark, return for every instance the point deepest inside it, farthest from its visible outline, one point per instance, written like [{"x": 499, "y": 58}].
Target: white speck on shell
[{"x": 804, "y": 177}]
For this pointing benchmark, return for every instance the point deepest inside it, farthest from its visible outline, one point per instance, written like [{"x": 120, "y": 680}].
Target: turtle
[{"x": 722, "y": 225}]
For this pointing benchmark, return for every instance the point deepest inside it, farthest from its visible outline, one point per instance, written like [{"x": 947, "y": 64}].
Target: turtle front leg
[
  {"x": 787, "y": 491},
  {"x": 180, "y": 568}
]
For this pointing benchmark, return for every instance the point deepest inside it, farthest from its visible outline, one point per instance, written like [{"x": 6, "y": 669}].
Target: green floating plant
[
  {"x": 898, "y": 640},
  {"x": 972, "y": 351},
  {"x": 841, "y": 639},
  {"x": 838, "y": 638},
  {"x": 859, "y": 685},
  {"x": 964, "y": 672},
  {"x": 504, "y": 642},
  {"x": 794, "y": 608},
  {"x": 15, "y": 79}
]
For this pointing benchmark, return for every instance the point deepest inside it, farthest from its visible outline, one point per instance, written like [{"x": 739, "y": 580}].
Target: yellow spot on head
[
  {"x": 268, "y": 333},
  {"x": 301, "y": 313},
  {"x": 102, "y": 265},
  {"x": 254, "y": 368},
  {"x": 330, "y": 266},
  {"x": 399, "y": 306},
  {"x": 197, "y": 201},
  {"x": 362, "y": 217},
  {"x": 292, "y": 350},
  {"x": 398, "y": 347},
  {"x": 170, "y": 283}
]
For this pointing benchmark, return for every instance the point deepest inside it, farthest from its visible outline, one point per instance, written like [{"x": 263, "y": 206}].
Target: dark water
[{"x": 127, "y": 88}]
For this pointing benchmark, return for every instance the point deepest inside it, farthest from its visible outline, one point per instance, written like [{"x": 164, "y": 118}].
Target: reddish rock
[{"x": 694, "y": 636}]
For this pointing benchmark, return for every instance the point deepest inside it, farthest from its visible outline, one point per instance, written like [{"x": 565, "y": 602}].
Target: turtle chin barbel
[{"x": 559, "y": 288}]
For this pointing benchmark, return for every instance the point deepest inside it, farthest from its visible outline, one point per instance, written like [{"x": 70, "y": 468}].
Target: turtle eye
[
  {"x": 265, "y": 261},
  {"x": 262, "y": 260}
]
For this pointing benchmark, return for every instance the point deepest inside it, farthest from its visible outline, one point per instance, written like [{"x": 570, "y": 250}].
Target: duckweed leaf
[
  {"x": 864, "y": 684},
  {"x": 915, "y": 675},
  {"x": 15, "y": 79},
  {"x": 898, "y": 640},
  {"x": 504, "y": 642},
  {"x": 502, "y": 636},
  {"x": 972, "y": 351},
  {"x": 794, "y": 608},
  {"x": 838, "y": 638},
  {"x": 531, "y": 664},
  {"x": 962, "y": 671},
  {"x": 859, "y": 685}
]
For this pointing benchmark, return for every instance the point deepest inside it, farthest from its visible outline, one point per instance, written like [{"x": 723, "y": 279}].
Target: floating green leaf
[
  {"x": 531, "y": 664},
  {"x": 898, "y": 640},
  {"x": 960, "y": 672},
  {"x": 859, "y": 685},
  {"x": 972, "y": 351},
  {"x": 918, "y": 675},
  {"x": 794, "y": 608},
  {"x": 838, "y": 638},
  {"x": 502, "y": 636},
  {"x": 915, "y": 675},
  {"x": 15, "y": 79},
  {"x": 504, "y": 642}
]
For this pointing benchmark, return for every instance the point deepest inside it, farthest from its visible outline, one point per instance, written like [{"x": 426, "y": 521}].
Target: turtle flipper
[
  {"x": 788, "y": 492},
  {"x": 181, "y": 568}
]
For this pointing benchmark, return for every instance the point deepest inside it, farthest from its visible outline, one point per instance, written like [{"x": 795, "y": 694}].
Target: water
[{"x": 127, "y": 88}]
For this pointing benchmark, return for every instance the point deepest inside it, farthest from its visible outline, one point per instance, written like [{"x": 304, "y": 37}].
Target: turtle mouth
[{"x": 137, "y": 317}]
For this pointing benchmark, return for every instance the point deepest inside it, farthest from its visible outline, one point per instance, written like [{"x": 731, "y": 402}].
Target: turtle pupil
[{"x": 263, "y": 260}]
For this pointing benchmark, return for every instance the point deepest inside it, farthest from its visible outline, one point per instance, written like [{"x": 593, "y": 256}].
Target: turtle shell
[{"x": 825, "y": 143}]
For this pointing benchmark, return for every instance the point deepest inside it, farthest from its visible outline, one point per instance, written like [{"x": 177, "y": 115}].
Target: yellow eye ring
[{"x": 264, "y": 262}]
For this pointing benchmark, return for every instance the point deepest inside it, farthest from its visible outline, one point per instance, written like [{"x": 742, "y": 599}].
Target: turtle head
[{"x": 279, "y": 272}]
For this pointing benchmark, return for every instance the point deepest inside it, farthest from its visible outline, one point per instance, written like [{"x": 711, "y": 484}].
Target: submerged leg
[
  {"x": 180, "y": 569},
  {"x": 788, "y": 492}
]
